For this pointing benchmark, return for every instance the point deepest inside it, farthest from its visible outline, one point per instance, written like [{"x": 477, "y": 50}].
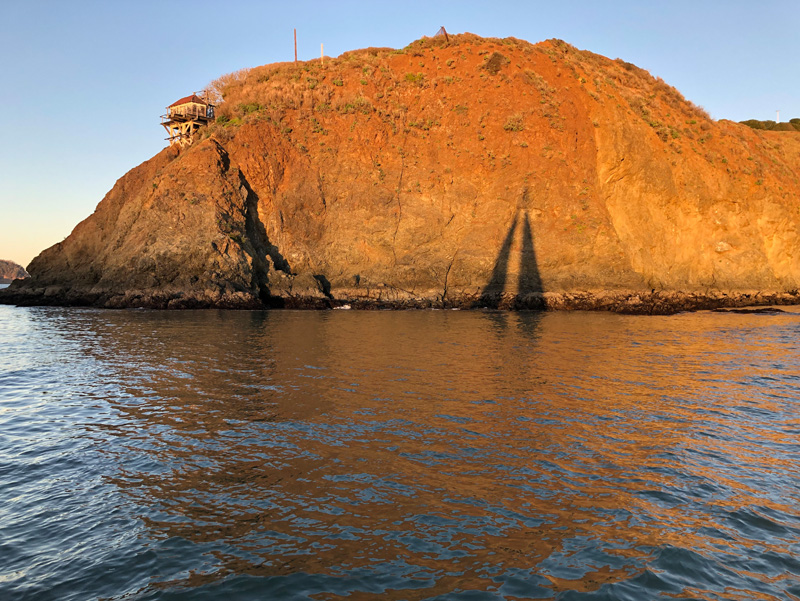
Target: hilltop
[{"x": 468, "y": 172}]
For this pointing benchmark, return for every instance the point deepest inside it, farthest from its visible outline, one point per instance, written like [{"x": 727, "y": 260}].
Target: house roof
[{"x": 188, "y": 99}]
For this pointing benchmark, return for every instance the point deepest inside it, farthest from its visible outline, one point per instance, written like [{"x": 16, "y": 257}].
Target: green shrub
[
  {"x": 355, "y": 105},
  {"x": 317, "y": 128},
  {"x": 423, "y": 124},
  {"x": 514, "y": 123},
  {"x": 495, "y": 62},
  {"x": 769, "y": 125}
]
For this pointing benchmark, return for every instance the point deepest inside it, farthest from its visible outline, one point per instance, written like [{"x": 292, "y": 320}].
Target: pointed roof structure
[{"x": 188, "y": 99}]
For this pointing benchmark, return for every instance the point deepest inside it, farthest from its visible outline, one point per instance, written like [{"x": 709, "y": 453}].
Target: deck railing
[{"x": 190, "y": 112}]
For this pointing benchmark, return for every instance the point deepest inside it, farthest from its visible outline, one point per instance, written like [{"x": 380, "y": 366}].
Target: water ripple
[{"x": 420, "y": 455}]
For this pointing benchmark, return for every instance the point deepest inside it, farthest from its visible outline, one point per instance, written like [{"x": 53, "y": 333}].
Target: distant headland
[
  {"x": 792, "y": 125},
  {"x": 458, "y": 171},
  {"x": 10, "y": 271}
]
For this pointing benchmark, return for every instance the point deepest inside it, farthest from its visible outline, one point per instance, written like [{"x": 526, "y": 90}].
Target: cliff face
[
  {"x": 473, "y": 172},
  {"x": 10, "y": 271}
]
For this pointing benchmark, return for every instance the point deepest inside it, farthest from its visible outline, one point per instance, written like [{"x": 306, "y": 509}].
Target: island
[{"x": 457, "y": 172}]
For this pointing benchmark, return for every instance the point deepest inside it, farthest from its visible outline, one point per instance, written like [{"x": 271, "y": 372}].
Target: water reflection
[{"x": 419, "y": 454}]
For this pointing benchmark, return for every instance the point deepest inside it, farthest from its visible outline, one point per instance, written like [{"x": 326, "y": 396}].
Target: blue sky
[{"x": 84, "y": 82}]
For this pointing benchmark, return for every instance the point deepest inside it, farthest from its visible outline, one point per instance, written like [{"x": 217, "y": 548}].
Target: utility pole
[
  {"x": 778, "y": 117},
  {"x": 322, "y": 54},
  {"x": 295, "y": 46}
]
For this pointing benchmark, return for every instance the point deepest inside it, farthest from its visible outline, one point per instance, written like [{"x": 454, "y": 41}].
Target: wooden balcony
[{"x": 192, "y": 112}]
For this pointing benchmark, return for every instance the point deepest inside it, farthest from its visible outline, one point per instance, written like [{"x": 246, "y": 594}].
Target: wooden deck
[{"x": 189, "y": 114}]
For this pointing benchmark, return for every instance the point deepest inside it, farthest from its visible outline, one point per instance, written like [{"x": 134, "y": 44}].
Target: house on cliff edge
[{"x": 184, "y": 117}]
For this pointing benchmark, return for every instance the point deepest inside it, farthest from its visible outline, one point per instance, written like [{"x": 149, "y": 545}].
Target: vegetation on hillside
[
  {"x": 791, "y": 125},
  {"x": 369, "y": 83}
]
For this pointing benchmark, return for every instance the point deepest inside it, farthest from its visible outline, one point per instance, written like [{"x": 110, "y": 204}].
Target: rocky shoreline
[{"x": 623, "y": 302}]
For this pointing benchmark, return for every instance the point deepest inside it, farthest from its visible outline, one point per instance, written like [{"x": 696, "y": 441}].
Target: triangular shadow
[
  {"x": 530, "y": 282},
  {"x": 493, "y": 291},
  {"x": 529, "y": 286}
]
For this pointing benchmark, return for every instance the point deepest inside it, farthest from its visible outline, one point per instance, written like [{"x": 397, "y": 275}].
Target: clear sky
[{"x": 84, "y": 82}]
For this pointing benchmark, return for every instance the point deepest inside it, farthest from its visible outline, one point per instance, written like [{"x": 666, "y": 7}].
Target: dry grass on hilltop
[{"x": 364, "y": 81}]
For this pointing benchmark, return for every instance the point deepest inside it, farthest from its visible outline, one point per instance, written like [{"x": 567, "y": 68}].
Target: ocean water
[{"x": 398, "y": 455}]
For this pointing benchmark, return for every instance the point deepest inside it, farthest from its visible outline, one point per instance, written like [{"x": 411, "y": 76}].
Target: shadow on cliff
[
  {"x": 529, "y": 285},
  {"x": 257, "y": 235},
  {"x": 260, "y": 246}
]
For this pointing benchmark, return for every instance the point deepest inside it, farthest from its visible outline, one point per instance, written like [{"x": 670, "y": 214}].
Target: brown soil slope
[{"x": 474, "y": 172}]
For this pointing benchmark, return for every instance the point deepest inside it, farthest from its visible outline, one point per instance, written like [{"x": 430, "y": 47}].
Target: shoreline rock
[{"x": 621, "y": 302}]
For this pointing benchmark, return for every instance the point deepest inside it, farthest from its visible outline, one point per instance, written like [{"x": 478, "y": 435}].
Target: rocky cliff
[
  {"x": 468, "y": 172},
  {"x": 10, "y": 271}
]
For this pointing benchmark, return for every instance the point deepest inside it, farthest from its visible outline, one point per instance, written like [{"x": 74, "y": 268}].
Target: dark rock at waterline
[
  {"x": 761, "y": 311},
  {"x": 630, "y": 302}
]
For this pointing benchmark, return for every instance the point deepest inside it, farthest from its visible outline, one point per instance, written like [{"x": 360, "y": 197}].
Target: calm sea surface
[{"x": 398, "y": 455}]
